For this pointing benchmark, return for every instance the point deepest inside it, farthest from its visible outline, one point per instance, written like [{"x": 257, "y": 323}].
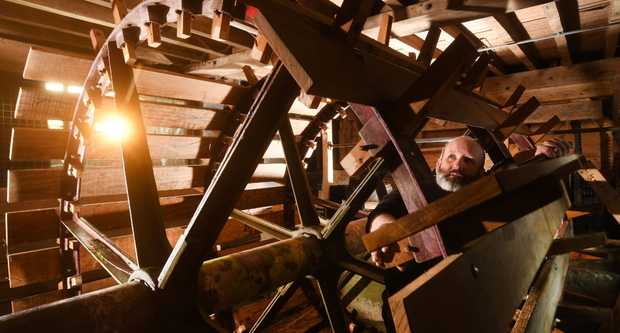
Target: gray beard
[{"x": 446, "y": 184}]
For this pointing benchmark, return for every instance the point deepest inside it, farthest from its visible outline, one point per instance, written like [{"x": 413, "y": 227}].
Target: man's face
[{"x": 459, "y": 164}]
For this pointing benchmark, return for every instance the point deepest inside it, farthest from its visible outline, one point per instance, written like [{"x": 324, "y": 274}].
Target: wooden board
[
  {"x": 28, "y": 230},
  {"x": 578, "y": 110},
  {"x": 42, "y": 264},
  {"x": 40, "y": 184},
  {"x": 35, "y": 144},
  {"x": 37, "y": 184},
  {"x": 491, "y": 284},
  {"x": 35, "y": 103},
  {"x": 592, "y": 79},
  {"x": 53, "y": 65}
]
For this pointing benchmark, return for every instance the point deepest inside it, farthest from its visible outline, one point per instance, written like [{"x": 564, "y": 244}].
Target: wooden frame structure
[{"x": 163, "y": 281}]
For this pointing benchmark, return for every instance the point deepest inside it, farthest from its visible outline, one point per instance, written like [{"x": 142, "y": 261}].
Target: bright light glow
[
  {"x": 55, "y": 124},
  {"x": 74, "y": 89},
  {"x": 54, "y": 86},
  {"x": 109, "y": 93},
  {"x": 114, "y": 128}
]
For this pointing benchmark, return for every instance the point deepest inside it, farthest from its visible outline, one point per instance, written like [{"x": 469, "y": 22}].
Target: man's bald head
[{"x": 461, "y": 162}]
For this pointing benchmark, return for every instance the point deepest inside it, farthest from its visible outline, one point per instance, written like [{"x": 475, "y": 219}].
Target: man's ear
[{"x": 438, "y": 163}]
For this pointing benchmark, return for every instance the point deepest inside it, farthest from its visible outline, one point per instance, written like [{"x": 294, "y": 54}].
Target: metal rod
[
  {"x": 558, "y": 34},
  {"x": 262, "y": 225}
]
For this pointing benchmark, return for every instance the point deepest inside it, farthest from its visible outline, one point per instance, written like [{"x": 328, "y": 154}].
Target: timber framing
[{"x": 209, "y": 202}]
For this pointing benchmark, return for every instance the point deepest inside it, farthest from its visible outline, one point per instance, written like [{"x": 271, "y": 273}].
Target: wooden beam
[
  {"x": 527, "y": 53},
  {"x": 497, "y": 65},
  {"x": 553, "y": 19},
  {"x": 297, "y": 176},
  {"x": 417, "y": 43},
  {"x": 473, "y": 195},
  {"x": 611, "y": 35},
  {"x": 566, "y": 245},
  {"x": 389, "y": 73},
  {"x": 494, "y": 282},
  {"x": 429, "y": 46},
  {"x": 609, "y": 196},
  {"x": 385, "y": 30},
  {"x": 578, "y": 110},
  {"x": 420, "y": 16},
  {"x": 273, "y": 102},
  {"x": 35, "y": 144},
  {"x": 562, "y": 83}
]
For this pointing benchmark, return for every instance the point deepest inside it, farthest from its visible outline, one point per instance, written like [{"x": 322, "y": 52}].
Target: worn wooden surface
[{"x": 474, "y": 303}]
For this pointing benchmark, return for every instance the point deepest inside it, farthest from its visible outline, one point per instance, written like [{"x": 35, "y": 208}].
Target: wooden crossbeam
[
  {"x": 518, "y": 250},
  {"x": 592, "y": 79},
  {"x": 34, "y": 144}
]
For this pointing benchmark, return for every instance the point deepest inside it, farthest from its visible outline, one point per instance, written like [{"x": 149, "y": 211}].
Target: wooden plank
[
  {"x": 37, "y": 184},
  {"x": 578, "y": 110},
  {"x": 592, "y": 79},
  {"x": 492, "y": 283},
  {"x": 378, "y": 75},
  {"x": 497, "y": 65},
  {"x": 36, "y": 144},
  {"x": 34, "y": 103},
  {"x": 51, "y": 65},
  {"x": 28, "y": 230},
  {"x": 576, "y": 243},
  {"x": 25, "y": 265},
  {"x": 609, "y": 196},
  {"x": 473, "y": 195},
  {"x": 41, "y": 184}
]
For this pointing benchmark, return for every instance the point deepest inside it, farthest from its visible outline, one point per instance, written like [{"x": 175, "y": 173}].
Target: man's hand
[
  {"x": 386, "y": 253},
  {"x": 553, "y": 148}
]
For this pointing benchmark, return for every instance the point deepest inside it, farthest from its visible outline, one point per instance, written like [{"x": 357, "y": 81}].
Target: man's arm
[{"x": 387, "y": 211}]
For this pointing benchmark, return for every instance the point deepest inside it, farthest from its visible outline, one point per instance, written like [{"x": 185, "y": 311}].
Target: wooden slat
[
  {"x": 40, "y": 184},
  {"x": 593, "y": 79},
  {"x": 52, "y": 65},
  {"x": 491, "y": 283},
  {"x": 579, "y": 110},
  {"x": 35, "y": 103},
  {"x": 39, "y": 265},
  {"x": 34, "y": 144},
  {"x": 609, "y": 196},
  {"x": 27, "y": 230},
  {"x": 37, "y": 184}
]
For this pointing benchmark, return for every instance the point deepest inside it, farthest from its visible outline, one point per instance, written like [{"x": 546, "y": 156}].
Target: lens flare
[{"x": 114, "y": 128}]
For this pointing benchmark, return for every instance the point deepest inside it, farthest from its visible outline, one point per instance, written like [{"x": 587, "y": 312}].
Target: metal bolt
[{"x": 475, "y": 271}]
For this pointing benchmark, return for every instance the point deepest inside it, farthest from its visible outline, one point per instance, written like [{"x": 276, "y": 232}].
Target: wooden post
[{"x": 152, "y": 247}]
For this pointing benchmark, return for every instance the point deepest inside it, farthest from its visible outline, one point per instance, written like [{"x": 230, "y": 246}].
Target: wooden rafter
[
  {"x": 496, "y": 64},
  {"x": 527, "y": 53}
]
